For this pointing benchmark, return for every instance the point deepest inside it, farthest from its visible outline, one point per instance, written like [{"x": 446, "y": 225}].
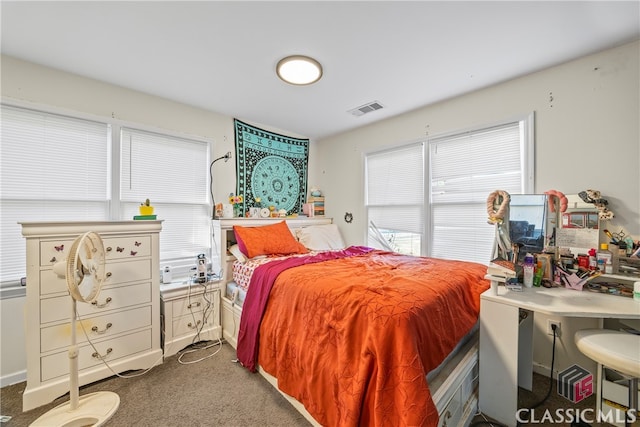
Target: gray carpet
[{"x": 213, "y": 392}]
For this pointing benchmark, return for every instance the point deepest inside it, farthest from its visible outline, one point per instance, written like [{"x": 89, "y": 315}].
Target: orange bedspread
[{"x": 353, "y": 338}]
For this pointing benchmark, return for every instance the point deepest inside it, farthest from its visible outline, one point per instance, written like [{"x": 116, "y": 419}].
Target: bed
[{"x": 354, "y": 335}]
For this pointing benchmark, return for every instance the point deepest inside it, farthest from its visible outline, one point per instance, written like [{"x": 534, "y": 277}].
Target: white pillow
[
  {"x": 320, "y": 237},
  {"x": 236, "y": 252}
]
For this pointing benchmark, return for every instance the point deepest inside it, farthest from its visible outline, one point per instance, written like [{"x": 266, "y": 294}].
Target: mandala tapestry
[{"x": 270, "y": 167}]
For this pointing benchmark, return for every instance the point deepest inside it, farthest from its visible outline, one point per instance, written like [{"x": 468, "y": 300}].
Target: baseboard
[
  {"x": 543, "y": 370},
  {"x": 14, "y": 378}
]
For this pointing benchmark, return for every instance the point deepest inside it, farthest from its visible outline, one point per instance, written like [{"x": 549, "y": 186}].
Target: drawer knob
[
  {"x": 194, "y": 304},
  {"x": 98, "y": 305},
  {"x": 109, "y": 249},
  {"x": 53, "y": 259},
  {"x": 102, "y": 356},
  {"x": 108, "y": 274},
  {"x": 191, "y": 325},
  {"x": 97, "y": 331},
  {"x": 119, "y": 249}
]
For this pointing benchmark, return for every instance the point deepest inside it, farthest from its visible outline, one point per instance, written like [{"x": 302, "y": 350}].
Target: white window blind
[
  {"x": 464, "y": 169},
  {"x": 52, "y": 168},
  {"x": 395, "y": 192},
  {"x": 461, "y": 171},
  {"x": 172, "y": 173}
]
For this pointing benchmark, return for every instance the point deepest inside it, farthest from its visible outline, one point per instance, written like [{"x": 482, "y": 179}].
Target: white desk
[{"x": 505, "y": 340}]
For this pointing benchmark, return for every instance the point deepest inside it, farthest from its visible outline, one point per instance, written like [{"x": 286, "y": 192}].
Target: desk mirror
[
  {"x": 528, "y": 222},
  {"x": 579, "y": 226}
]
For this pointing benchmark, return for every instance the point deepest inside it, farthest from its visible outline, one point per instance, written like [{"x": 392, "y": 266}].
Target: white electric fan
[{"x": 85, "y": 272}]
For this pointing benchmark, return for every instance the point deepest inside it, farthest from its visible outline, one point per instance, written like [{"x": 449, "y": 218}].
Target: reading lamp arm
[{"x": 226, "y": 158}]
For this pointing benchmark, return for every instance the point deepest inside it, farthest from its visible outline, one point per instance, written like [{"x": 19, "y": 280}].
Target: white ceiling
[{"x": 221, "y": 56}]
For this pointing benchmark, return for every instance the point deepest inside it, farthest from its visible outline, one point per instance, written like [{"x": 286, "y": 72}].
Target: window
[
  {"x": 459, "y": 172},
  {"x": 172, "y": 173},
  {"x": 395, "y": 198},
  {"x": 52, "y": 167},
  {"x": 60, "y": 168},
  {"x": 464, "y": 169}
]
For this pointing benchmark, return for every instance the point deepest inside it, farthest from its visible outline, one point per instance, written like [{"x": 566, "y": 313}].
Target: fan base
[{"x": 94, "y": 409}]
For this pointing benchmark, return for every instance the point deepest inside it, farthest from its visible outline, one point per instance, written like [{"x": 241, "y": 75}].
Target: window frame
[
  {"x": 420, "y": 206},
  {"x": 114, "y": 208},
  {"x": 527, "y": 162},
  {"x": 526, "y": 123}
]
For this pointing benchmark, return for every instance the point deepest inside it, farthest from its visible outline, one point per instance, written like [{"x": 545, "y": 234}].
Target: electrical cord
[
  {"x": 197, "y": 343},
  {"x": 544, "y": 399},
  {"x": 207, "y": 312},
  {"x": 137, "y": 374},
  {"x": 553, "y": 357}
]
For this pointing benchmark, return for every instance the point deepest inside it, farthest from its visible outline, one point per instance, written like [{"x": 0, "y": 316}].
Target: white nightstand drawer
[
  {"x": 57, "y": 365},
  {"x": 59, "y": 308},
  {"x": 118, "y": 272},
  {"x": 127, "y": 247},
  {"x": 97, "y": 327},
  {"x": 189, "y": 324},
  {"x": 193, "y": 304}
]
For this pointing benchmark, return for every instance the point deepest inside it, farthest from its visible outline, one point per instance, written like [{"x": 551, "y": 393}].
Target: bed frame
[{"x": 454, "y": 384}]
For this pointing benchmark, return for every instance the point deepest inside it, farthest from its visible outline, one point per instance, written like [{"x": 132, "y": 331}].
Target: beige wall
[
  {"x": 587, "y": 137},
  {"x": 33, "y": 85}
]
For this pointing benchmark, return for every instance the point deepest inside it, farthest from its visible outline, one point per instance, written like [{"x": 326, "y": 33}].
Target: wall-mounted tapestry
[{"x": 271, "y": 167}]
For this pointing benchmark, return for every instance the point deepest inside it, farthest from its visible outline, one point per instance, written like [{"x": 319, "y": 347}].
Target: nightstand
[{"x": 190, "y": 313}]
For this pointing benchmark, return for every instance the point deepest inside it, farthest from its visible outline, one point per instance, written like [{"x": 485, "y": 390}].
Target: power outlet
[{"x": 549, "y": 327}]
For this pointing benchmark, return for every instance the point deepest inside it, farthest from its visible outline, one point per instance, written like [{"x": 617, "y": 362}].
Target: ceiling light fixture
[{"x": 299, "y": 70}]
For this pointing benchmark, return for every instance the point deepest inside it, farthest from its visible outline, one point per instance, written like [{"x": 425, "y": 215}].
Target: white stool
[{"x": 617, "y": 350}]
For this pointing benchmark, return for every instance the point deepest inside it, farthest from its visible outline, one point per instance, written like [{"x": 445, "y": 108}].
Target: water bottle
[
  {"x": 528, "y": 270},
  {"x": 537, "y": 278}
]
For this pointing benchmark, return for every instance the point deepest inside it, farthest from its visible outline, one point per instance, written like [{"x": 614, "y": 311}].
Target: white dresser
[{"x": 123, "y": 324}]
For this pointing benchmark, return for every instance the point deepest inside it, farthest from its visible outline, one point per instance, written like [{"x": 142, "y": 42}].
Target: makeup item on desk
[
  {"x": 513, "y": 285},
  {"x": 528, "y": 270},
  {"x": 583, "y": 261},
  {"x": 537, "y": 277},
  {"x": 610, "y": 235}
]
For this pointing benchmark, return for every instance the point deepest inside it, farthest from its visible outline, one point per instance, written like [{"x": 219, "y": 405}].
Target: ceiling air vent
[{"x": 366, "y": 108}]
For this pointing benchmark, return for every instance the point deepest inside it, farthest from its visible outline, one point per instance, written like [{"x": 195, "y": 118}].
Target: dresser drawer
[
  {"x": 115, "y": 248},
  {"x": 106, "y": 325},
  {"x": 190, "y": 324},
  {"x": 57, "y": 365},
  {"x": 59, "y": 308},
  {"x": 54, "y": 251},
  {"x": 127, "y": 247},
  {"x": 117, "y": 272}
]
